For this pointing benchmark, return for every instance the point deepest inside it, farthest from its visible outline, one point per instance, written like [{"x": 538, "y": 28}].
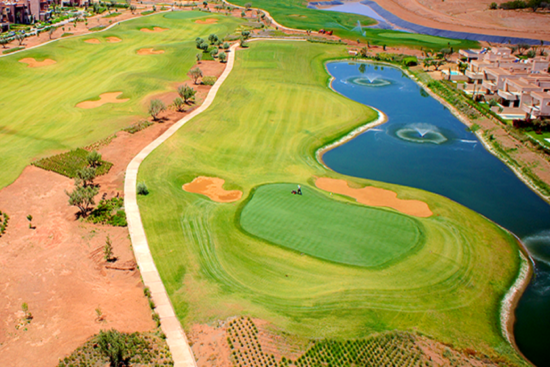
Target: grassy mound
[
  {"x": 42, "y": 117},
  {"x": 332, "y": 230},
  {"x": 269, "y": 117}
]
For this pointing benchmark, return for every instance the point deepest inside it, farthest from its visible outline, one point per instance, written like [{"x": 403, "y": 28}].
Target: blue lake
[{"x": 423, "y": 145}]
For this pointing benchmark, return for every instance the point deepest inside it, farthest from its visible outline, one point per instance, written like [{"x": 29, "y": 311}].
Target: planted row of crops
[
  {"x": 388, "y": 349},
  {"x": 69, "y": 163},
  {"x": 4, "y": 218}
]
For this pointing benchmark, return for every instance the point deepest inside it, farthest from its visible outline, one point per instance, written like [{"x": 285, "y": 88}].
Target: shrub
[
  {"x": 209, "y": 80},
  {"x": 156, "y": 106},
  {"x": 223, "y": 57},
  {"x": 179, "y": 103},
  {"x": 186, "y": 92},
  {"x": 142, "y": 189},
  {"x": 132, "y": 129},
  {"x": 195, "y": 73},
  {"x": 109, "y": 212},
  {"x": 493, "y": 6}
]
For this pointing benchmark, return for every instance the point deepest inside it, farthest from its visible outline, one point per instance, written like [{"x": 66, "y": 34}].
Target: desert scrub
[
  {"x": 4, "y": 218},
  {"x": 209, "y": 80},
  {"x": 138, "y": 126},
  {"x": 68, "y": 164},
  {"x": 109, "y": 212}
]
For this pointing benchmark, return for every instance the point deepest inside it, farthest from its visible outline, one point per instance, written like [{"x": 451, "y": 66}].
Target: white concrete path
[{"x": 175, "y": 337}]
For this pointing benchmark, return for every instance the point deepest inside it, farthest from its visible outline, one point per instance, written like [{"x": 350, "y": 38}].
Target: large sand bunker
[
  {"x": 113, "y": 39},
  {"x": 154, "y": 30},
  {"x": 213, "y": 188},
  {"x": 93, "y": 41},
  {"x": 103, "y": 99},
  {"x": 149, "y": 51},
  {"x": 375, "y": 196},
  {"x": 206, "y": 21},
  {"x": 32, "y": 63}
]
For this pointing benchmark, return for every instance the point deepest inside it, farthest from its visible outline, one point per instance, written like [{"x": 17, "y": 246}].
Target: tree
[
  {"x": 245, "y": 34},
  {"x": 223, "y": 57},
  {"x": 178, "y": 103},
  {"x": 85, "y": 176},
  {"x": 226, "y": 46},
  {"x": 156, "y": 106},
  {"x": 142, "y": 189},
  {"x": 186, "y": 92},
  {"x": 199, "y": 41},
  {"x": 522, "y": 47},
  {"x": 195, "y": 73},
  {"x": 242, "y": 42},
  {"x": 243, "y": 14},
  {"x": 112, "y": 345},
  {"x": 493, "y": 6},
  {"x": 205, "y": 4},
  {"x": 20, "y": 37},
  {"x": 213, "y": 38},
  {"x": 50, "y": 32},
  {"x": 438, "y": 64},
  {"x": 248, "y": 6},
  {"x": 446, "y": 52},
  {"x": 214, "y": 52},
  {"x": 108, "y": 250},
  {"x": 133, "y": 8},
  {"x": 199, "y": 57},
  {"x": 83, "y": 197},
  {"x": 4, "y": 41},
  {"x": 204, "y": 46},
  {"x": 364, "y": 52},
  {"x": 94, "y": 159}
]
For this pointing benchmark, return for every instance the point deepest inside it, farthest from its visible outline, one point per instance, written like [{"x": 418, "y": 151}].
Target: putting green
[
  {"x": 40, "y": 116},
  {"x": 331, "y": 230},
  {"x": 420, "y": 37}
]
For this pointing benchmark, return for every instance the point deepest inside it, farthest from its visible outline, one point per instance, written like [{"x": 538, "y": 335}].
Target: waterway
[{"x": 424, "y": 145}]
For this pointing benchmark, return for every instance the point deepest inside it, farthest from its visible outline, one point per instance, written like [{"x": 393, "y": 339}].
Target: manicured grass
[
  {"x": 39, "y": 113},
  {"x": 331, "y": 230},
  {"x": 295, "y": 14},
  {"x": 269, "y": 117}
]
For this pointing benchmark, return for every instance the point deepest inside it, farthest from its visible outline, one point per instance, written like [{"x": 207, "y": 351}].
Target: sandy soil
[
  {"x": 374, "y": 196},
  {"x": 149, "y": 51},
  {"x": 206, "y": 21},
  {"x": 471, "y": 16},
  {"x": 32, "y": 63},
  {"x": 113, "y": 39},
  {"x": 93, "y": 41},
  {"x": 103, "y": 99},
  {"x": 213, "y": 188},
  {"x": 154, "y": 30}
]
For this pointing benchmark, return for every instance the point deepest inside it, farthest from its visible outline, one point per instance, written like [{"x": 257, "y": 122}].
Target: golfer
[{"x": 299, "y": 190}]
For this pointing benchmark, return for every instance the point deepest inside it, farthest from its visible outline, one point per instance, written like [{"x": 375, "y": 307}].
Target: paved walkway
[{"x": 175, "y": 337}]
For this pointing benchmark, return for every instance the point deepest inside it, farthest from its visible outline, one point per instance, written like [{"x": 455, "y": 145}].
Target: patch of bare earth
[
  {"x": 472, "y": 16},
  {"x": 57, "y": 267}
]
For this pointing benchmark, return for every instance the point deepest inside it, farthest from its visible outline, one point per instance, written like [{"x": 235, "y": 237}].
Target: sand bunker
[
  {"x": 32, "y": 63},
  {"x": 94, "y": 41},
  {"x": 213, "y": 188},
  {"x": 154, "y": 30},
  {"x": 149, "y": 51},
  {"x": 113, "y": 39},
  {"x": 375, "y": 196},
  {"x": 207, "y": 21},
  {"x": 103, "y": 99}
]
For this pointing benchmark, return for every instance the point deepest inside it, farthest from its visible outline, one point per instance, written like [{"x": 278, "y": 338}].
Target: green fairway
[
  {"x": 270, "y": 116},
  {"x": 296, "y": 14},
  {"x": 321, "y": 227},
  {"x": 39, "y": 113}
]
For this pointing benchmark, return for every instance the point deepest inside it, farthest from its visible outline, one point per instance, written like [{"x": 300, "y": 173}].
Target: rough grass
[
  {"x": 295, "y": 14},
  {"x": 39, "y": 113},
  {"x": 319, "y": 226},
  {"x": 271, "y": 114},
  {"x": 69, "y": 163}
]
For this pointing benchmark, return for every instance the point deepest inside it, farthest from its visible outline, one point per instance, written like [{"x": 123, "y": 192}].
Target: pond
[{"x": 424, "y": 146}]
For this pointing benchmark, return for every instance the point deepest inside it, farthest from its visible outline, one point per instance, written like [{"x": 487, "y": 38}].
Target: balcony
[
  {"x": 489, "y": 85},
  {"x": 507, "y": 95},
  {"x": 530, "y": 109},
  {"x": 474, "y": 76}
]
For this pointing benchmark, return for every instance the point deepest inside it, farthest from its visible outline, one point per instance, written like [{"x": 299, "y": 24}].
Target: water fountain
[
  {"x": 421, "y": 133},
  {"x": 369, "y": 80}
]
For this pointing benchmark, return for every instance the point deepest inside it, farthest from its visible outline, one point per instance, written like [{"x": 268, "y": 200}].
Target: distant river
[{"x": 424, "y": 146}]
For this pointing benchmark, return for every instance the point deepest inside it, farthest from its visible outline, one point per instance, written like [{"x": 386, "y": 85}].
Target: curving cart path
[{"x": 175, "y": 336}]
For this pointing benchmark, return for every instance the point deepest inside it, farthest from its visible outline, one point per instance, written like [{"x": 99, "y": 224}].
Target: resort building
[
  {"x": 522, "y": 87},
  {"x": 24, "y": 11}
]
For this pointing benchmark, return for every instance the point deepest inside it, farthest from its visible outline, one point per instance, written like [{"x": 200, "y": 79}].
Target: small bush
[
  {"x": 142, "y": 189},
  {"x": 209, "y": 80},
  {"x": 109, "y": 212},
  {"x": 138, "y": 126}
]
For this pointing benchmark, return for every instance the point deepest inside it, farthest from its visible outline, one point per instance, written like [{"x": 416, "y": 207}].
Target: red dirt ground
[{"x": 57, "y": 268}]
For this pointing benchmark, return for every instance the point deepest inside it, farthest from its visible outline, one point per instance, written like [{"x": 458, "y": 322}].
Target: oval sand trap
[
  {"x": 149, "y": 51},
  {"x": 154, "y": 30},
  {"x": 213, "y": 188},
  {"x": 206, "y": 21},
  {"x": 32, "y": 63},
  {"x": 374, "y": 196},
  {"x": 113, "y": 39},
  {"x": 93, "y": 41},
  {"x": 103, "y": 99}
]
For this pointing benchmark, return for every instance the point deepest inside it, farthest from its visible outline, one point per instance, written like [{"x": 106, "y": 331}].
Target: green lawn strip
[
  {"x": 319, "y": 226},
  {"x": 269, "y": 117},
  {"x": 296, "y": 14},
  {"x": 39, "y": 113},
  {"x": 69, "y": 163}
]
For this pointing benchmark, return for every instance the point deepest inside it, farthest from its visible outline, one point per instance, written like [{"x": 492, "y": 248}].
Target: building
[
  {"x": 24, "y": 11},
  {"x": 522, "y": 87}
]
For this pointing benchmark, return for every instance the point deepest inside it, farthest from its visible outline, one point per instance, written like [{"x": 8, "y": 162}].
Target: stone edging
[{"x": 180, "y": 349}]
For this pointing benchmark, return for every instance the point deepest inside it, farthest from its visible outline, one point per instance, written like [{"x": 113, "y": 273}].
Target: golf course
[
  {"x": 321, "y": 264},
  {"x": 41, "y": 114}
]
